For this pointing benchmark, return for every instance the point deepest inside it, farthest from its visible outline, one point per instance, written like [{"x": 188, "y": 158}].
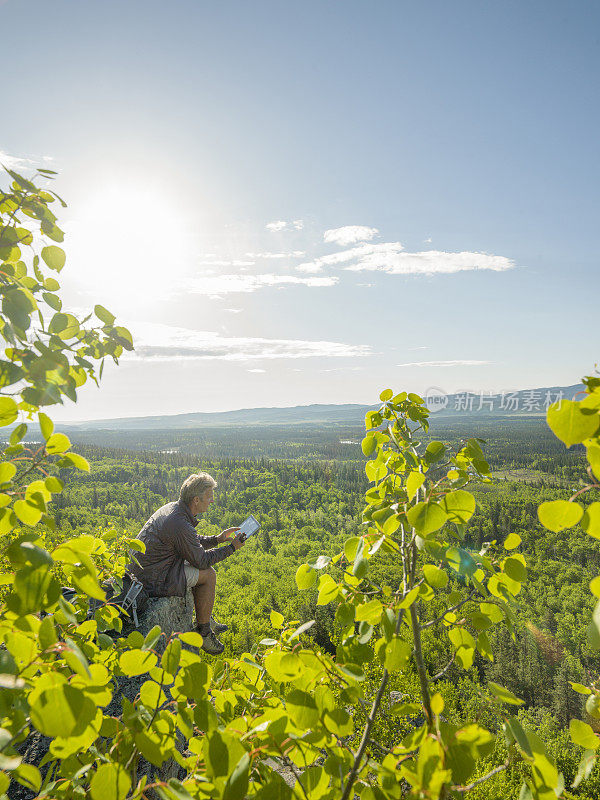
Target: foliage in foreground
[{"x": 60, "y": 664}]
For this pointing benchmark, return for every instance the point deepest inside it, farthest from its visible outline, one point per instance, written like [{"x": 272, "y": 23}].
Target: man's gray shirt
[{"x": 171, "y": 541}]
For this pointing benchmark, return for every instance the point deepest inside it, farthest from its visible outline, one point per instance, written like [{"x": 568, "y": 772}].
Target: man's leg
[{"x": 204, "y": 597}]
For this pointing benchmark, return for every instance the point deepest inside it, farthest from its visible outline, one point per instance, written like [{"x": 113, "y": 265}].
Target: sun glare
[{"x": 129, "y": 245}]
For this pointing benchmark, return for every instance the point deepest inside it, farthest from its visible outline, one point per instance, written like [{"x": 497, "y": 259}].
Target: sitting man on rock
[{"x": 177, "y": 559}]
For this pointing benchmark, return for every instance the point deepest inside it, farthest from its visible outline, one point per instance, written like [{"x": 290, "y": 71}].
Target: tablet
[{"x": 250, "y": 526}]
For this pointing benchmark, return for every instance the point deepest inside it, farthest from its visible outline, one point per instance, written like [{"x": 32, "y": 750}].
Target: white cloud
[
  {"x": 217, "y": 285},
  {"x": 278, "y": 225},
  {"x": 282, "y": 224},
  {"x": 256, "y": 370},
  {"x": 390, "y": 257},
  {"x": 457, "y": 363},
  {"x": 233, "y": 310},
  {"x": 429, "y": 262},
  {"x": 164, "y": 342},
  {"x": 292, "y": 254},
  {"x": 350, "y": 234},
  {"x": 235, "y": 263},
  {"x": 23, "y": 162},
  {"x": 343, "y": 256}
]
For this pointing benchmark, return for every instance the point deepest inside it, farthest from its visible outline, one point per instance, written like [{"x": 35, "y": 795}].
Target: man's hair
[{"x": 195, "y": 486}]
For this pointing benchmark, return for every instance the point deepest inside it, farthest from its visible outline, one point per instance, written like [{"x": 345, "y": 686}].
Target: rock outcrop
[{"x": 172, "y": 615}]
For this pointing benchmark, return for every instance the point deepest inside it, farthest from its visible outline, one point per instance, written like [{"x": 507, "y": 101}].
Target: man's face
[{"x": 203, "y": 501}]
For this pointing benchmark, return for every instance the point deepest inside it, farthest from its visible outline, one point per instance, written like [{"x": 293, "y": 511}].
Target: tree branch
[
  {"x": 369, "y": 724},
  {"x": 483, "y": 779},
  {"x": 446, "y": 668},
  {"x": 448, "y": 611}
]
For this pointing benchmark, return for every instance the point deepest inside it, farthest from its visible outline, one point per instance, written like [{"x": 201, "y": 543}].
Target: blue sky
[{"x": 435, "y": 166}]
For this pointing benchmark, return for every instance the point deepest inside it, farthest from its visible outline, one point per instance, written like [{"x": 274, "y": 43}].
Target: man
[{"x": 177, "y": 559}]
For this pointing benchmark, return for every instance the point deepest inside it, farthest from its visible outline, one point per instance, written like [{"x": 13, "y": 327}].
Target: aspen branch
[
  {"x": 446, "y": 668},
  {"x": 483, "y": 779},
  {"x": 439, "y": 619}
]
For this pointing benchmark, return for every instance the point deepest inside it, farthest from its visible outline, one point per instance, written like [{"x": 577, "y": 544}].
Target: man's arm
[
  {"x": 190, "y": 547},
  {"x": 224, "y": 537}
]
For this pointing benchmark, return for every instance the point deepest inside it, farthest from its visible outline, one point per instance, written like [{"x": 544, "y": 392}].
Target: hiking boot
[
  {"x": 211, "y": 645},
  {"x": 218, "y": 627}
]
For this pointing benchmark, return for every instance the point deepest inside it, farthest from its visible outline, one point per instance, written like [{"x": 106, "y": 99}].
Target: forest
[
  {"x": 416, "y": 618},
  {"x": 308, "y": 504}
]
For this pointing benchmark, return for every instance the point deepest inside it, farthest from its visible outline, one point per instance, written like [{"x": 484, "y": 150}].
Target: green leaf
[
  {"x": 515, "y": 569},
  {"x": 504, "y": 695},
  {"x": 306, "y": 626},
  {"x": 368, "y": 444},
  {"x": 586, "y": 765},
  {"x": 437, "y": 704},
  {"x": 46, "y": 425},
  {"x": 136, "y": 662},
  {"x": 396, "y": 654},
  {"x": 515, "y": 729},
  {"x": 414, "y": 482},
  {"x": 557, "y": 515},
  {"x": 328, "y": 590},
  {"x": 27, "y": 512},
  {"x": 124, "y": 337},
  {"x": 110, "y": 782},
  {"x": 570, "y": 423},
  {"x": 193, "y": 680},
  {"x": 593, "y": 631},
  {"x": 435, "y": 576},
  {"x": 434, "y": 451},
  {"x": 512, "y": 540},
  {"x": 152, "y": 638},
  {"x": 302, "y": 708},
  {"x": 104, "y": 315},
  {"x": 593, "y": 456},
  {"x": 426, "y": 518},
  {"x": 152, "y": 695},
  {"x": 591, "y": 520},
  {"x": 461, "y": 561},
  {"x": 17, "y": 434},
  {"x": 305, "y": 577},
  {"x": 74, "y": 460},
  {"x": 7, "y": 471},
  {"x": 351, "y": 546},
  {"x": 29, "y": 776},
  {"x": 54, "y": 257},
  {"x": 583, "y": 735},
  {"x": 369, "y": 612},
  {"x": 58, "y": 443},
  {"x": 53, "y": 301},
  {"x": 236, "y": 787},
  {"x": 592, "y": 704},
  {"x": 464, "y": 645},
  {"x": 276, "y": 619},
  {"x": 8, "y": 411},
  {"x": 386, "y": 395},
  {"x": 338, "y": 722},
  {"x": 459, "y": 506},
  {"x": 62, "y": 710},
  {"x": 580, "y": 688}
]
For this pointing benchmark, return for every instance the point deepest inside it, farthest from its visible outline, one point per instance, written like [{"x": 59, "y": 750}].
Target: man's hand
[
  {"x": 227, "y": 536},
  {"x": 238, "y": 542}
]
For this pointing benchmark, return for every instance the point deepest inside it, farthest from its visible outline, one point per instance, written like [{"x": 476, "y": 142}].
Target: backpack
[{"x": 131, "y": 598}]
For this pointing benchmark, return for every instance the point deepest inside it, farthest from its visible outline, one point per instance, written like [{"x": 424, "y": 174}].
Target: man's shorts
[{"x": 191, "y": 575}]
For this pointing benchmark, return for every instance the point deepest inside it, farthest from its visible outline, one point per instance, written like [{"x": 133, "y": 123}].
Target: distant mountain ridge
[{"x": 526, "y": 402}]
